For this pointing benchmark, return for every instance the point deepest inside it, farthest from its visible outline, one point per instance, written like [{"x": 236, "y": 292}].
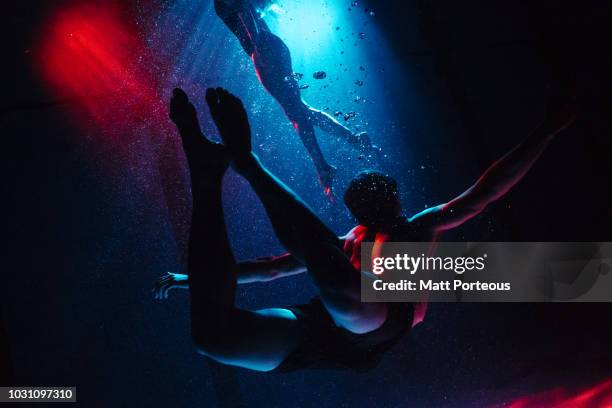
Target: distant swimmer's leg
[
  {"x": 256, "y": 340},
  {"x": 272, "y": 61},
  {"x": 303, "y": 126},
  {"x": 360, "y": 140},
  {"x": 300, "y": 231},
  {"x": 235, "y": 14},
  {"x": 243, "y": 20}
]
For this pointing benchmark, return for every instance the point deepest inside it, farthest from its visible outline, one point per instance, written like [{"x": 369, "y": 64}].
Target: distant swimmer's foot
[
  {"x": 366, "y": 147},
  {"x": 205, "y": 158},
  {"x": 232, "y": 121},
  {"x": 326, "y": 178}
]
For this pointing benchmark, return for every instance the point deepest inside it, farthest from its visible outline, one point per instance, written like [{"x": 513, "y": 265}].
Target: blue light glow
[
  {"x": 323, "y": 35},
  {"x": 307, "y": 26}
]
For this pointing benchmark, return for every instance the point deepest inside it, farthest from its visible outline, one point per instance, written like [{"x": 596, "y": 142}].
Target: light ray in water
[{"x": 346, "y": 69}]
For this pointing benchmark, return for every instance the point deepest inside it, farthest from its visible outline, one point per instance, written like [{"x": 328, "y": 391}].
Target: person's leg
[
  {"x": 256, "y": 340},
  {"x": 360, "y": 141},
  {"x": 303, "y": 126},
  {"x": 235, "y": 15},
  {"x": 300, "y": 231},
  {"x": 296, "y": 226},
  {"x": 243, "y": 20},
  {"x": 272, "y": 61}
]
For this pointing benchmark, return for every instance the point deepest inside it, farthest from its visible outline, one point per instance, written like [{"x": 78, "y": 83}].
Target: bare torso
[{"x": 405, "y": 232}]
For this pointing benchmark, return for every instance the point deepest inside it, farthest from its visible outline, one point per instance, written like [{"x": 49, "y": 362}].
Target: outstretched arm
[
  {"x": 259, "y": 270},
  {"x": 269, "y": 268},
  {"x": 498, "y": 179}
]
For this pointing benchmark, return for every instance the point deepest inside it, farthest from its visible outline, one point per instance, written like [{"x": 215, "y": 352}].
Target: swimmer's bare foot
[
  {"x": 326, "y": 178},
  {"x": 206, "y": 159},
  {"x": 184, "y": 115},
  {"x": 232, "y": 121}
]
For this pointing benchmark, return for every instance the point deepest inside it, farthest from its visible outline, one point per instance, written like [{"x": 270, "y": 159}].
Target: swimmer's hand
[{"x": 167, "y": 282}]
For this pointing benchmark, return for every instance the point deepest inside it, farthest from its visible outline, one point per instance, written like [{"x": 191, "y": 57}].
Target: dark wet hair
[{"x": 373, "y": 198}]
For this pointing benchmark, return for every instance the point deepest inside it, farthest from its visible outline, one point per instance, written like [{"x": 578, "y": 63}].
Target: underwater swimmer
[
  {"x": 272, "y": 61},
  {"x": 335, "y": 330}
]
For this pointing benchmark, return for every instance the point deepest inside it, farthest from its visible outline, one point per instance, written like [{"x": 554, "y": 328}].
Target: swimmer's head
[{"x": 373, "y": 199}]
